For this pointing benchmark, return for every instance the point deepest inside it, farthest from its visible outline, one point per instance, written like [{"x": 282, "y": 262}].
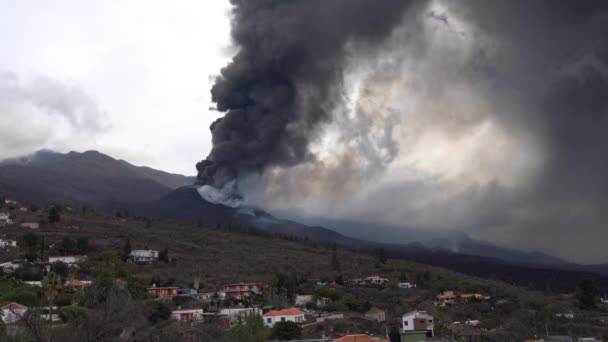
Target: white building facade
[{"x": 288, "y": 315}]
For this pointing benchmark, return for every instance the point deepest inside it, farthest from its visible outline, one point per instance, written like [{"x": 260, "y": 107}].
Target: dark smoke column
[{"x": 286, "y": 79}]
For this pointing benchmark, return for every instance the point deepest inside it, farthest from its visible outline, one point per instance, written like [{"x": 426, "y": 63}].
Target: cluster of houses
[
  {"x": 373, "y": 280},
  {"x": 446, "y": 298},
  {"x": 5, "y": 220}
]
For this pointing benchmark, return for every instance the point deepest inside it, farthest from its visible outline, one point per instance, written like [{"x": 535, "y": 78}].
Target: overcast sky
[{"x": 129, "y": 78}]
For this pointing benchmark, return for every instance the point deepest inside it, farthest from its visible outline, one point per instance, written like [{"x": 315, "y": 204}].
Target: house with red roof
[
  {"x": 13, "y": 312},
  {"x": 160, "y": 292},
  {"x": 360, "y": 338},
  {"x": 242, "y": 290},
  {"x": 287, "y": 315},
  {"x": 187, "y": 314}
]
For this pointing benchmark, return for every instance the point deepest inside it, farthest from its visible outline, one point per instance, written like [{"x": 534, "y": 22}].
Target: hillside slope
[{"x": 88, "y": 178}]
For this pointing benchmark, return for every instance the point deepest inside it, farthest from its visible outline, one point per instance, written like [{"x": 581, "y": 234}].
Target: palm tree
[{"x": 52, "y": 284}]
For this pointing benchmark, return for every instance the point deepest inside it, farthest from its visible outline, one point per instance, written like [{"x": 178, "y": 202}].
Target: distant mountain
[
  {"x": 88, "y": 178},
  {"x": 186, "y": 205},
  {"x": 452, "y": 240}
]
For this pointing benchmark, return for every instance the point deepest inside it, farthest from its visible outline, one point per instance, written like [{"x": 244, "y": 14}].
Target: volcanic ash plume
[{"x": 285, "y": 80}]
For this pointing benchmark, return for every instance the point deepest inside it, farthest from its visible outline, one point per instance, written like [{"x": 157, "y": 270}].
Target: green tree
[
  {"x": 393, "y": 334},
  {"x": 251, "y": 331},
  {"x": 158, "y": 311},
  {"x": 586, "y": 294},
  {"x": 60, "y": 269},
  {"x": 29, "y": 243},
  {"x": 54, "y": 215},
  {"x": 67, "y": 246},
  {"x": 381, "y": 256},
  {"x": 52, "y": 285},
  {"x": 126, "y": 249},
  {"x": 335, "y": 262},
  {"x": 163, "y": 255},
  {"x": 286, "y": 331},
  {"x": 82, "y": 245}
]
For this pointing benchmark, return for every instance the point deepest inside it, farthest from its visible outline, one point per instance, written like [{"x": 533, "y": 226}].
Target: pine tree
[
  {"x": 54, "y": 215},
  {"x": 335, "y": 262},
  {"x": 381, "y": 256}
]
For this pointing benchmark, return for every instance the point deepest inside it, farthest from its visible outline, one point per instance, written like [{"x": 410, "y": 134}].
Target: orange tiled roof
[
  {"x": 359, "y": 338},
  {"x": 13, "y": 306},
  {"x": 285, "y": 312}
]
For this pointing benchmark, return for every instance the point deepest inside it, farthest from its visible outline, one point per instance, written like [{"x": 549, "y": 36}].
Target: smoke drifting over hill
[{"x": 486, "y": 116}]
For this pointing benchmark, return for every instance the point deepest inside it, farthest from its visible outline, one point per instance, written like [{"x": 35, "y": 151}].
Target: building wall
[{"x": 270, "y": 321}]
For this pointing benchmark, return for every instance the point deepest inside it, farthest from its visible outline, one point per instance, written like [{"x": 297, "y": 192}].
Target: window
[
  {"x": 268, "y": 320},
  {"x": 282, "y": 319},
  {"x": 405, "y": 323}
]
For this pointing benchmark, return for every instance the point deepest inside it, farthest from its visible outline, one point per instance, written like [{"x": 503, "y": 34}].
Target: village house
[
  {"x": 7, "y": 243},
  {"x": 121, "y": 283},
  {"x": 5, "y": 220},
  {"x": 566, "y": 315},
  {"x": 242, "y": 290},
  {"x": 375, "y": 314},
  {"x": 162, "y": 292},
  {"x": 33, "y": 283},
  {"x": 323, "y": 301},
  {"x": 68, "y": 259},
  {"x": 302, "y": 300},
  {"x": 206, "y": 296},
  {"x": 239, "y": 314},
  {"x": 78, "y": 285},
  {"x": 360, "y": 338},
  {"x": 30, "y": 225},
  {"x": 286, "y": 315},
  {"x": 13, "y": 312},
  {"x": 187, "y": 292},
  {"x": 187, "y": 314},
  {"x": 406, "y": 285},
  {"x": 371, "y": 280},
  {"x": 445, "y": 298},
  {"x": 418, "y": 321},
  {"x": 142, "y": 256},
  {"x": 477, "y": 296},
  {"x": 9, "y": 267}
]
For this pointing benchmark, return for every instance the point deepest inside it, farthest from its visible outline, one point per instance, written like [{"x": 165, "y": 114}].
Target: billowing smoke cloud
[
  {"x": 484, "y": 116},
  {"x": 286, "y": 79},
  {"x": 44, "y": 113}
]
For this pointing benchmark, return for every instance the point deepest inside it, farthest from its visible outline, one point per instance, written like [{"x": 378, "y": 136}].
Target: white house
[
  {"x": 143, "y": 256},
  {"x": 291, "y": 315},
  {"x": 5, "y": 219},
  {"x": 9, "y": 266},
  {"x": 418, "y": 321},
  {"x": 68, "y": 259},
  {"x": 187, "y": 314},
  {"x": 7, "y": 243},
  {"x": 34, "y": 283},
  {"x": 302, "y": 300},
  {"x": 566, "y": 315},
  {"x": 236, "y": 314},
  {"x": 30, "y": 225},
  {"x": 406, "y": 285},
  {"x": 13, "y": 312}
]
